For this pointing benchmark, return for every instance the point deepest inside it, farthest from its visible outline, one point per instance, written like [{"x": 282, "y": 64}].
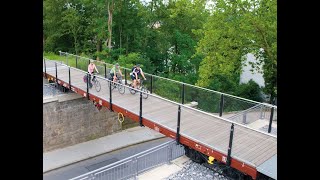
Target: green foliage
[
  {"x": 51, "y": 55},
  {"x": 250, "y": 90},
  {"x": 167, "y": 89},
  {"x": 235, "y": 29},
  {"x": 181, "y": 40},
  {"x": 136, "y": 58}
]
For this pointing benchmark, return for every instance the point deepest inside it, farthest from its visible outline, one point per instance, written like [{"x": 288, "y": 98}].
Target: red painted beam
[{"x": 247, "y": 169}]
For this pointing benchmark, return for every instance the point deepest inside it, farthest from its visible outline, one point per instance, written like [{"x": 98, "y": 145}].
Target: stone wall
[{"x": 69, "y": 119}]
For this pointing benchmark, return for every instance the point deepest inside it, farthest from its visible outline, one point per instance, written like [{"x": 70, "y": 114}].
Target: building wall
[{"x": 246, "y": 75}]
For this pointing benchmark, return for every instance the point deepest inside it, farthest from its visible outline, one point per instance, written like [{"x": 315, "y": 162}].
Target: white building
[{"x": 247, "y": 74}]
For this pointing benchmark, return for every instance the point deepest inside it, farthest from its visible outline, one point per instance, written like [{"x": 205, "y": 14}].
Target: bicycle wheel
[
  {"x": 144, "y": 92},
  {"x": 132, "y": 91},
  {"x": 97, "y": 85},
  {"x": 121, "y": 88},
  {"x": 113, "y": 85}
]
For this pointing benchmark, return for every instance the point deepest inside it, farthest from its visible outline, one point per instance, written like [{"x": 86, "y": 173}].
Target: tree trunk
[
  {"x": 99, "y": 43},
  {"x": 127, "y": 45},
  {"x": 120, "y": 30},
  {"x": 110, "y": 13},
  {"x": 75, "y": 44}
]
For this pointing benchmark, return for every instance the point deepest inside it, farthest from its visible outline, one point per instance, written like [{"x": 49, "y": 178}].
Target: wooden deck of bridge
[{"x": 249, "y": 146}]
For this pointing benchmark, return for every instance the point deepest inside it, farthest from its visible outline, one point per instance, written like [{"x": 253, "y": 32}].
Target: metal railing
[
  {"x": 237, "y": 109},
  {"x": 215, "y": 102},
  {"x": 134, "y": 165}
]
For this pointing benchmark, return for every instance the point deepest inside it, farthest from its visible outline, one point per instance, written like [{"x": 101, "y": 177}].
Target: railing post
[
  {"x": 140, "y": 112},
  {"x": 221, "y": 105},
  {"x": 151, "y": 84},
  {"x": 88, "y": 79},
  {"x": 56, "y": 72},
  {"x": 170, "y": 152},
  {"x": 125, "y": 76},
  {"x": 69, "y": 79},
  {"x": 77, "y": 62},
  {"x": 182, "y": 95},
  {"x": 105, "y": 70},
  {"x": 230, "y": 145},
  {"x": 45, "y": 68},
  {"x": 178, "y": 126},
  {"x": 244, "y": 118},
  {"x": 110, "y": 89},
  {"x": 271, "y": 118},
  {"x": 261, "y": 110},
  {"x": 135, "y": 160},
  {"x": 67, "y": 59}
]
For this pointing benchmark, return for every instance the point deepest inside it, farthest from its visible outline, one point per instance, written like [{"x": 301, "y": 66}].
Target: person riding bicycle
[
  {"x": 115, "y": 71},
  {"x": 135, "y": 75},
  {"x": 91, "y": 68}
]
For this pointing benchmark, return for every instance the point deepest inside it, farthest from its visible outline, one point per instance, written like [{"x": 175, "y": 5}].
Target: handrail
[
  {"x": 244, "y": 111},
  {"x": 249, "y": 100},
  {"x": 126, "y": 160}
]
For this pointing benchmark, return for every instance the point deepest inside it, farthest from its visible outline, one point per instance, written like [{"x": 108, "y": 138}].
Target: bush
[
  {"x": 136, "y": 58},
  {"x": 250, "y": 90}
]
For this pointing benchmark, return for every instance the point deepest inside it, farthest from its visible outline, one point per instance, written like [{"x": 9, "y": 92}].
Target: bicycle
[
  {"x": 140, "y": 87},
  {"x": 95, "y": 82},
  {"x": 118, "y": 84}
]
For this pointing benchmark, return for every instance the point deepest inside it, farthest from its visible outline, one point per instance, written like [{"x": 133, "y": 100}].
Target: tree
[
  {"x": 72, "y": 23},
  {"x": 52, "y": 31},
  {"x": 236, "y": 28},
  {"x": 110, "y": 5}
]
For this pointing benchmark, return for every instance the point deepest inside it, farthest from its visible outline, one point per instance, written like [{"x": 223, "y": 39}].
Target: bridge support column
[
  {"x": 140, "y": 112},
  {"x": 271, "y": 118},
  {"x": 88, "y": 79},
  {"x": 110, "y": 100},
  {"x": 221, "y": 105},
  {"x": 125, "y": 76},
  {"x": 105, "y": 70},
  {"x": 151, "y": 84},
  {"x": 230, "y": 145},
  {"x": 45, "y": 68},
  {"x": 178, "y": 125},
  {"x": 182, "y": 95},
  {"x": 76, "y": 61},
  {"x": 56, "y": 72},
  {"x": 69, "y": 79}
]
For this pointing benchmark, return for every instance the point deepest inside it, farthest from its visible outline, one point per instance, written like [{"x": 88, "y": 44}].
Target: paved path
[
  {"x": 85, "y": 166},
  {"x": 72, "y": 154}
]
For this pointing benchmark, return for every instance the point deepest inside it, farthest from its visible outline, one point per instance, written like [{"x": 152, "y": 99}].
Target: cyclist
[
  {"x": 91, "y": 68},
  {"x": 135, "y": 75},
  {"x": 115, "y": 71}
]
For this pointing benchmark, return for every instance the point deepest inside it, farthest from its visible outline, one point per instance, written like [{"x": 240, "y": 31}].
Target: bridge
[{"x": 238, "y": 132}]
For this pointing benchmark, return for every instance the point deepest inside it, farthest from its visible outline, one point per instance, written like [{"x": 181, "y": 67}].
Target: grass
[
  {"x": 71, "y": 61},
  {"x": 52, "y": 56}
]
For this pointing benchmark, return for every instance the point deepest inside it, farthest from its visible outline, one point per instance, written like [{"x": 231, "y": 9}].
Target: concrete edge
[
  {"x": 89, "y": 157},
  {"x": 176, "y": 165},
  {"x": 49, "y": 99},
  {"x": 68, "y": 97}
]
